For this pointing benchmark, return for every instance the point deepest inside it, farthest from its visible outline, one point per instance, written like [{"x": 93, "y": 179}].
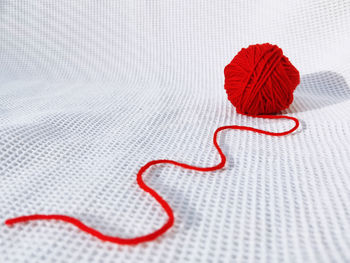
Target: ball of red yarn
[{"x": 260, "y": 80}]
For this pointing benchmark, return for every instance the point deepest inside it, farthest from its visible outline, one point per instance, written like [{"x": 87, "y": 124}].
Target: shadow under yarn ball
[{"x": 319, "y": 90}]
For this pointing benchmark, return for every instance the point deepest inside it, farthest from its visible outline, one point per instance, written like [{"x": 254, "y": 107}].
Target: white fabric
[{"x": 92, "y": 90}]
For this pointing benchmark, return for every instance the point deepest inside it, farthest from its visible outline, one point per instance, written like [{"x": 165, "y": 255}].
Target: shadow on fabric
[{"x": 319, "y": 90}]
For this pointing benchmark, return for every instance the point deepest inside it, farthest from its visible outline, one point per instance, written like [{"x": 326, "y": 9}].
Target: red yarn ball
[{"x": 260, "y": 80}]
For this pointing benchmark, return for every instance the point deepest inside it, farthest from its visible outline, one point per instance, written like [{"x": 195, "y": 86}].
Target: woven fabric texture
[{"x": 92, "y": 90}]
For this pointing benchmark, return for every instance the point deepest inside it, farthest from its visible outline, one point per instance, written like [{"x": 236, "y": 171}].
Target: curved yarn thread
[{"x": 153, "y": 193}]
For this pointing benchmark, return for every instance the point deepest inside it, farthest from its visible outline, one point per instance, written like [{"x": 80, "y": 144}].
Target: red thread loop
[{"x": 153, "y": 193}]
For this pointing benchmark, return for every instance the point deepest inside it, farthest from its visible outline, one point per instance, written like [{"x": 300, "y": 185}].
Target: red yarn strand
[{"x": 153, "y": 193}]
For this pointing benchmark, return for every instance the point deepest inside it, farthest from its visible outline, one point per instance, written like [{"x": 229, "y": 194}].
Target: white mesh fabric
[{"x": 92, "y": 90}]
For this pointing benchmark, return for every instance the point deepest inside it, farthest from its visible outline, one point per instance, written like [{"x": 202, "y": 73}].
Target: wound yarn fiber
[
  {"x": 272, "y": 58},
  {"x": 260, "y": 80}
]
